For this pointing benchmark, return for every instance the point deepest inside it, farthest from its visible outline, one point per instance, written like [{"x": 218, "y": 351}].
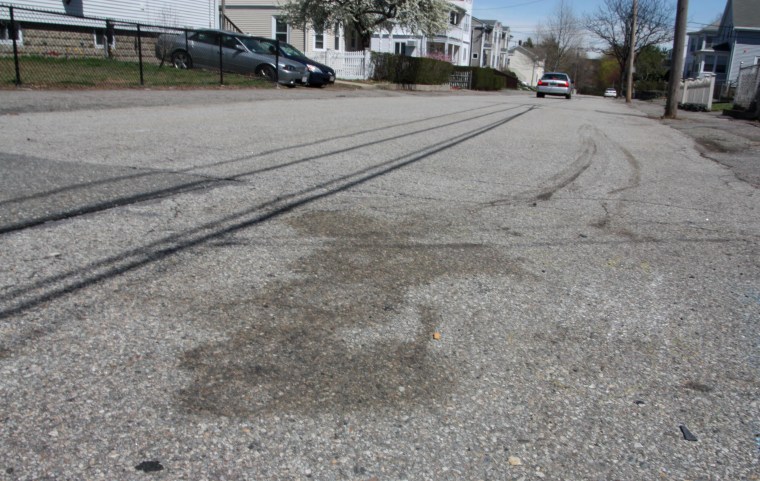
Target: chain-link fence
[
  {"x": 748, "y": 88},
  {"x": 48, "y": 49}
]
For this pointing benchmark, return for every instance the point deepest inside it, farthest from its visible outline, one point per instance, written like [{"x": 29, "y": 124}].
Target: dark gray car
[{"x": 237, "y": 53}]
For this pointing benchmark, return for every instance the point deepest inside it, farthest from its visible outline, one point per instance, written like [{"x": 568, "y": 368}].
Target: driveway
[{"x": 371, "y": 286}]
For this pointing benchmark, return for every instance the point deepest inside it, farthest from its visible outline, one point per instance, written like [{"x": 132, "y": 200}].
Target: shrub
[
  {"x": 485, "y": 78},
  {"x": 410, "y": 70}
]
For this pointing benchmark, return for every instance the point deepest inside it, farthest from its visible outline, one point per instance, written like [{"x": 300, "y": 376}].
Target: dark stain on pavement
[{"x": 340, "y": 332}]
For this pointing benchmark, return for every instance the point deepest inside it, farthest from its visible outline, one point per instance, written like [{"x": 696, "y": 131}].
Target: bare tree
[
  {"x": 561, "y": 37},
  {"x": 367, "y": 16},
  {"x": 166, "y": 18},
  {"x": 611, "y": 23}
]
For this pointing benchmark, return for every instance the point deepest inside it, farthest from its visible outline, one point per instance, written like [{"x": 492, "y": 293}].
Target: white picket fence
[
  {"x": 697, "y": 91},
  {"x": 347, "y": 65}
]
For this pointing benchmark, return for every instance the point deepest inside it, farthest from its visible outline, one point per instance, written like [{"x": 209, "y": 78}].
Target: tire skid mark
[
  {"x": 614, "y": 211},
  {"x": 559, "y": 180},
  {"x": 635, "y": 179},
  {"x": 571, "y": 173},
  {"x": 205, "y": 182},
  {"x": 26, "y": 297}
]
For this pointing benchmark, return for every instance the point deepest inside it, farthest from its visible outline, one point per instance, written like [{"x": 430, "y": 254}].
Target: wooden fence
[{"x": 697, "y": 91}]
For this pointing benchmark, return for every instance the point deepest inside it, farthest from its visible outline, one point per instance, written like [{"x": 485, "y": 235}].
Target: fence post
[
  {"x": 366, "y": 64},
  {"x": 710, "y": 93},
  {"x": 685, "y": 97},
  {"x": 139, "y": 54},
  {"x": 221, "y": 66},
  {"x": 15, "y": 47},
  {"x": 277, "y": 62},
  {"x": 110, "y": 35}
]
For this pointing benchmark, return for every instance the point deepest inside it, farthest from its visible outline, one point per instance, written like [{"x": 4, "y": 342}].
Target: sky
[{"x": 522, "y": 16}]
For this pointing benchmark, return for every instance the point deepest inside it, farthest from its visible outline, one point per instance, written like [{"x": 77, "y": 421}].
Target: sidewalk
[{"x": 734, "y": 143}]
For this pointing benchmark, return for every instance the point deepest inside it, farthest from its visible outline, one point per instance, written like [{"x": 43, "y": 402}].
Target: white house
[
  {"x": 342, "y": 48},
  {"x": 526, "y": 64},
  {"x": 453, "y": 45},
  {"x": 93, "y": 28},
  {"x": 176, "y": 13},
  {"x": 701, "y": 58},
  {"x": 490, "y": 44}
]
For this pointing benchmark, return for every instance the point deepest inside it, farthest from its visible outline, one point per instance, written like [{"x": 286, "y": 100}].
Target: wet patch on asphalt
[{"x": 342, "y": 333}]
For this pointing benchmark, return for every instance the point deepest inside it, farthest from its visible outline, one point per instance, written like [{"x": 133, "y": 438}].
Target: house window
[
  {"x": 474, "y": 54},
  {"x": 100, "y": 39},
  {"x": 319, "y": 40},
  {"x": 720, "y": 65},
  {"x": 454, "y": 18},
  {"x": 280, "y": 29},
  {"x": 400, "y": 48},
  {"x": 6, "y": 37},
  {"x": 709, "y": 64}
]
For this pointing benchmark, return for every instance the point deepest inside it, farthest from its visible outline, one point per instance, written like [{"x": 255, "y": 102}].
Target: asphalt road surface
[{"x": 292, "y": 285}]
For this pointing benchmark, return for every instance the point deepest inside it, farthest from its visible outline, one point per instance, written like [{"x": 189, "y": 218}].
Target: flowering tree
[{"x": 368, "y": 16}]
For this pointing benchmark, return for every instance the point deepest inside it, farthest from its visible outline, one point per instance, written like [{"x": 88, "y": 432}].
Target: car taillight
[
  {"x": 563, "y": 84},
  {"x": 540, "y": 82}
]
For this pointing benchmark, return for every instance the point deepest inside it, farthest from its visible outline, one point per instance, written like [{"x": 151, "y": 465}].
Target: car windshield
[
  {"x": 555, "y": 76},
  {"x": 258, "y": 46},
  {"x": 290, "y": 50}
]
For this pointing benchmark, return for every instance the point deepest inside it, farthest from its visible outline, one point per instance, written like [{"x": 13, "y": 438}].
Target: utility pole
[
  {"x": 631, "y": 53},
  {"x": 676, "y": 63}
]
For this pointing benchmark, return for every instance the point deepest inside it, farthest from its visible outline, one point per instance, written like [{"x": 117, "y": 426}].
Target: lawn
[
  {"x": 50, "y": 72},
  {"x": 722, "y": 106}
]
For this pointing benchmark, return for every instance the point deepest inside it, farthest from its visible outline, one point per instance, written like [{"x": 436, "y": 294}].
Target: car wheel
[
  {"x": 568, "y": 96},
  {"x": 266, "y": 71},
  {"x": 182, "y": 60},
  {"x": 539, "y": 95}
]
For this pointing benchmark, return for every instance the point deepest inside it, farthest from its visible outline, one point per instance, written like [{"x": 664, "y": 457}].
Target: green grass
[
  {"x": 722, "y": 106},
  {"x": 51, "y": 72}
]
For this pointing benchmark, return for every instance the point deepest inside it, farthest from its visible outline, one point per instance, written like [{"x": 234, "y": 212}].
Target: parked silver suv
[
  {"x": 555, "y": 83},
  {"x": 238, "y": 53}
]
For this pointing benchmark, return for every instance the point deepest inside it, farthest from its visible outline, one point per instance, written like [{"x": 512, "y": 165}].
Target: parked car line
[{"x": 240, "y": 53}]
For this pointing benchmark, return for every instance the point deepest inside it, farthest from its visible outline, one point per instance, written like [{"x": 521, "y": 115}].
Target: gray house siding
[
  {"x": 746, "y": 50},
  {"x": 739, "y": 34}
]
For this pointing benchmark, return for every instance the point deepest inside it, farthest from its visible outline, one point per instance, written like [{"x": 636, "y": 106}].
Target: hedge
[
  {"x": 486, "y": 78},
  {"x": 410, "y": 70}
]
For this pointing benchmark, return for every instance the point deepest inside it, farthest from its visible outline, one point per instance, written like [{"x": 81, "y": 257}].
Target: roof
[
  {"x": 746, "y": 14},
  {"x": 525, "y": 51},
  {"x": 488, "y": 25},
  {"x": 712, "y": 28}
]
